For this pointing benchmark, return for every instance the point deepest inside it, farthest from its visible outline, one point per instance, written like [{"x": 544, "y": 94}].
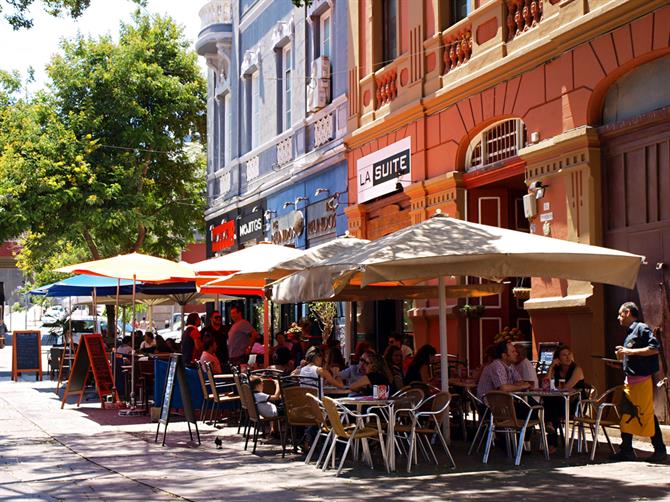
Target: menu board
[
  {"x": 176, "y": 370},
  {"x": 91, "y": 356},
  {"x": 27, "y": 353}
]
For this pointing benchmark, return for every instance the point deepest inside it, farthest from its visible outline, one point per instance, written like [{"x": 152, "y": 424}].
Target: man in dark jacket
[{"x": 216, "y": 329}]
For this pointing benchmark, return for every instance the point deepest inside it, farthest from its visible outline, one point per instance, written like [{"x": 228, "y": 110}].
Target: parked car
[
  {"x": 86, "y": 324},
  {"x": 53, "y": 314}
]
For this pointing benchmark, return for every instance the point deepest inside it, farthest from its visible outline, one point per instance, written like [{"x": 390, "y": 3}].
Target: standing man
[
  {"x": 240, "y": 337},
  {"x": 639, "y": 354},
  {"x": 219, "y": 332}
]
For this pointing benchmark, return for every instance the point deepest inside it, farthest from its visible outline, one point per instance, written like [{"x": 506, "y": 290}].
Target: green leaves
[{"x": 98, "y": 163}]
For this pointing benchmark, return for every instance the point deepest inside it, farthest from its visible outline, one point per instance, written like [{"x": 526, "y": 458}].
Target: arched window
[{"x": 499, "y": 142}]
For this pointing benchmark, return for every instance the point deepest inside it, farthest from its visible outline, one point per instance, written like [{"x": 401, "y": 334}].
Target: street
[{"x": 89, "y": 453}]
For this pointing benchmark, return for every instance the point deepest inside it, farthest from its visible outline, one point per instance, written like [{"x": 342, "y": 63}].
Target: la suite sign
[{"x": 379, "y": 172}]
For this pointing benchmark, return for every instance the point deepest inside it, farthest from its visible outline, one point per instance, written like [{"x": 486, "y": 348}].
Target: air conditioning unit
[
  {"x": 529, "y": 205},
  {"x": 318, "y": 91}
]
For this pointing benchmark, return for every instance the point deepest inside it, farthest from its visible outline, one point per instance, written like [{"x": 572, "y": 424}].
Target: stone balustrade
[
  {"x": 216, "y": 12},
  {"x": 285, "y": 151},
  {"x": 386, "y": 83},
  {"x": 522, "y": 15},
  {"x": 457, "y": 43}
]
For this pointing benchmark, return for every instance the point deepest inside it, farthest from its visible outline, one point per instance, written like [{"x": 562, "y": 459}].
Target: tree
[
  {"x": 18, "y": 16},
  {"x": 100, "y": 164}
]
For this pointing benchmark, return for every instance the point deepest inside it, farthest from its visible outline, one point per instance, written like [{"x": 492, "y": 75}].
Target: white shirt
[{"x": 527, "y": 372}]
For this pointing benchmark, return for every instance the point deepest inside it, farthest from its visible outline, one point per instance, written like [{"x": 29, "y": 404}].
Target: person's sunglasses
[{"x": 216, "y": 317}]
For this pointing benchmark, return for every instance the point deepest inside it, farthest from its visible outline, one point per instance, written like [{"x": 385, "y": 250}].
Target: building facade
[
  {"x": 277, "y": 116},
  {"x": 470, "y": 105}
]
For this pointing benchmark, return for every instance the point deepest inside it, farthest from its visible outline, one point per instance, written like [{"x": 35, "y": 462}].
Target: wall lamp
[
  {"x": 538, "y": 187},
  {"x": 319, "y": 191},
  {"x": 298, "y": 200},
  {"x": 288, "y": 204}
]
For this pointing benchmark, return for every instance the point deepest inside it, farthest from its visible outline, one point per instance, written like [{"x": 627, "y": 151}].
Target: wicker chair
[
  {"x": 255, "y": 418},
  {"x": 207, "y": 396},
  {"x": 223, "y": 394},
  {"x": 601, "y": 412},
  {"x": 301, "y": 411},
  {"x": 503, "y": 418},
  {"x": 347, "y": 434}
]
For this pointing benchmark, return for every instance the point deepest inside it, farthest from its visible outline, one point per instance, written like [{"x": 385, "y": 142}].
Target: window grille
[{"x": 499, "y": 142}]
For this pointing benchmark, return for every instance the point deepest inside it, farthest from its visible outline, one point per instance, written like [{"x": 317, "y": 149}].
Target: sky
[{"x": 35, "y": 46}]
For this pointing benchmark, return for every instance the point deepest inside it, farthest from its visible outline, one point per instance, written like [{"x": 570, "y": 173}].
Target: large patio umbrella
[
  {"x": 135, "y": 267},
  {"x": 443, "y": 246},
  {"x": 255, "y": 263}
]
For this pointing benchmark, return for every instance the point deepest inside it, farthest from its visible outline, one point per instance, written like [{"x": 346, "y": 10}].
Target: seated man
[{"x": 501, "y": 374}]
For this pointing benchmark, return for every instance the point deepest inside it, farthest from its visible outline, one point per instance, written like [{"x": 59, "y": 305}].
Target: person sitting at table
[
  {"x": 525, "y": 367},
  {"x": 209, "y": 356},
  {"x": 393, "y": 357},
  {"x": 125, "y": 348},
  {"x": 148, "y": 345},
  {"x": 264, "y": 402},
  {"x": 395, "y": 339},
  {"x": 313, "y": 369},
  {"x": 281, "y": 358},
  {"x": 281, "y": 341},
  {"x": 376, "y": 373},
  {"x": 419, "y": 370},
  {"x": 566, "y": 376},
  {"x": 334, "y": 360},
  {"x": 353, "y": 371},
  {"x": 489, "y": 357},
  {"x": 161, "y": 346},
  {"x": 501, "y": 374}
]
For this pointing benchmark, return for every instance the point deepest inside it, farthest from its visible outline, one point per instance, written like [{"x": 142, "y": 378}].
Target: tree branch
[
  {"x": 91, "y": 244},
  {"x": 141, "y": 234}
]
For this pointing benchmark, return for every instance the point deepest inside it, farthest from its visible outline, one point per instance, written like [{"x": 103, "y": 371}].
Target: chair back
[
  {"x": 210, "y": 377},
  {"x": 334, "y": 417},
  {"x": 441, "y": 406},
  {"x": 247, "y": 397},
  {"x": 203, "y": 383},
  {"x": 614, "y": 396},
  {"x": 268, "y": 373},
  {"x": 502, "y": 409},
  {"x": 301, "y": 381},
  {"x": 300, "y": 408},
  {"x": 269, "y": 386},
  {"x": 237, "y": 378}
]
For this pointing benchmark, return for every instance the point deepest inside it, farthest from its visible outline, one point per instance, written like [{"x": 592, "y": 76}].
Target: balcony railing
[
  {"x": 216, "y": 12},
  {"x": 457, "y": 42},
  {"x": 522, "y": 15},
  {"x": 386, "y": 83}
]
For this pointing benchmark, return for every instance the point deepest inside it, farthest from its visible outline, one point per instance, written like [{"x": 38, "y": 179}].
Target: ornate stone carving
[
  {"x": 323, "y": 130},
  {"x": 285, "y": 151},
  {"x": 216, "y": 12},
  {"x": 253, "y": 168}
]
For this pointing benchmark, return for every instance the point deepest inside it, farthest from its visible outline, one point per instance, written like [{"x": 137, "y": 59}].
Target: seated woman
[
  {"x": 161, "y": 346},
  {"x": 209, "y": 356},
  {"x": 419, "y": 370},
  {"x": 393, "y": 358},
  {"x": 313, "y": 369},
  {"x": 148, "y": 345},
  {"x": 567, "y": 376},
  {"x": 334, "y": 360},
  {"x": 376, "y": 373}
]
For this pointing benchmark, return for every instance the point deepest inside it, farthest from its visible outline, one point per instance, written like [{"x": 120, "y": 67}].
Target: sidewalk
[{"x": 89, "y": 453}]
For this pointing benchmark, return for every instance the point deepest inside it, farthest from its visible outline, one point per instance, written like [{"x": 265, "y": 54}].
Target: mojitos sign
[{"x": 381, "y": 171}]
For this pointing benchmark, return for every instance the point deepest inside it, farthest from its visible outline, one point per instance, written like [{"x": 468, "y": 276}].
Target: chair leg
[
  {"x": 246, "y": 435},
  {"x": 519, "y": 448},
  {"x": 595, "y": 435},
  {"x": 330, "y": 454},
  {"x": 312, "y": 448},
  {"x": 480, "y": 429},
  {"x": 256, "y": 431},
  {"x": 608, "y": 440},
  {"x": 445, "y": 446},
  {"x": 545, "y": 444},
  {"x": 489, "y": 440},
  {"x": 344, "y": 456},
  {"x": 324, "y": 448},
  {"x": 382, "y": 447}
]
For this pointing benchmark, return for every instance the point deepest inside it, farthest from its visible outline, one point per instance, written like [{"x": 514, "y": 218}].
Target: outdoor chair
[
  {"x": 54, "y": 362},
  {"x": 238, "y": 378},
  {"x": 255, "y": 418},
  {"x": 348, "y": 434},
  {"x": 302, "y": 381},
  {"x": 301, "y": 411},
  {"x": 601, "y": 412},
  {"x": 482, "y": 411},
  {"x": 267, "y": 373},
  {"x": 207, "y": 396},
  {"x": 223, "y": 394},
  {"x": 503, "y": 418},
  {"x": 424, "y": 425}
]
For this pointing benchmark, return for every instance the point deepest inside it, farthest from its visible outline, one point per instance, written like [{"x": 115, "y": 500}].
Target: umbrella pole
[
  {"x": 266, "y": 329},
  {"x": 444, "y": 364},
  {"x": 116, "y": 335},
  {"x": 132, "y": 336},
  {"x": 95, "y": 311}
]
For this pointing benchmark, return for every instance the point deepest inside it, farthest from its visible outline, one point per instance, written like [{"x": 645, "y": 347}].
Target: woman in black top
[
  {"x": 419, "y": 369},
  {"x": 567, "y": 375}
]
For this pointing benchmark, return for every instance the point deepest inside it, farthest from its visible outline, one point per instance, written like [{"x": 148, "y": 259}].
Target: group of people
[
  {"x": 509, "y": 372},
  {"x": 147, "y": 343}
]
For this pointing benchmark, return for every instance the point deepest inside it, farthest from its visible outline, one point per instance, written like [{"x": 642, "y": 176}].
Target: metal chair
[
  {"x": 503, "y": 418},
  {"x": 301, "y": 411},
  {"x": 347, "y": 434},
  {"x": 255, "y": 418},
  {"x": 222, "y": 393},
  {"x": 596, "y": 413},
  {"x": 207, "y": 396},
  {"x": 483, "y": 411},
  {"x": 425, "y": 424}
]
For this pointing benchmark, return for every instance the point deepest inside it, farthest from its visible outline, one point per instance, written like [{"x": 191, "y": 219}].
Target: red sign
[{"x": 223, "y": 236}]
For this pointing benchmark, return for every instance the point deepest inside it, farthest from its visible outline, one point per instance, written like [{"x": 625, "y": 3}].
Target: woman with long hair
[
  {"x": 419, "y": 369},
  {"x": 191, "y": 344},
  {"x": 376, "y": 373}
]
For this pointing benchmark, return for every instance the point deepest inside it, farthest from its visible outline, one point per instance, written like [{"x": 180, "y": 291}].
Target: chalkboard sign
[
  {"x": 27, "y": 353},
  {"x": 176, "y": 369},
  {"x": 545, "y": 356},
  {"x": 90, "y": 356}
]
